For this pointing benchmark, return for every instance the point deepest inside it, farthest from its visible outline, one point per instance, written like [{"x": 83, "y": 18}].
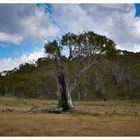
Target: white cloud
[
  {"x": 117, "y": 21},
  {"x": 28, "y": 22},
  {"x": 24, "y": 22},
  {"x": 11, "y": 63},
  {"x": 8, "y": 64},
  {"x": 72, "y": 17},
  {"x": 13, "y": 38},
  {"x": 38, "y": 24},
  {"x": 32, "y": 57}
]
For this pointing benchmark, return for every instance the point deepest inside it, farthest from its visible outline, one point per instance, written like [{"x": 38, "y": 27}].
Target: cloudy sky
[{"x": 23, "y": 25}]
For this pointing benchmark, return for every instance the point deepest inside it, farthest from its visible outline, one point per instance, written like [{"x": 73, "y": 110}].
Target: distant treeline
[{"x": 114, "y": 79}]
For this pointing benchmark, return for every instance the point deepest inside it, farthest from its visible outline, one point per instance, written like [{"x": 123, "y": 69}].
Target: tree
[{"x": 84, "y": 51}]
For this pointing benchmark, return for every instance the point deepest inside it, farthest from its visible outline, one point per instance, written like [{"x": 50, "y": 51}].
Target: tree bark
[
  {"x": 69, "y": 99},
  {"x": 64, "y": 97}
]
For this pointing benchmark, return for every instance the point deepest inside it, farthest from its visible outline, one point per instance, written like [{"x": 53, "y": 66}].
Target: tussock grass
[{"x": 99, "y": 118}]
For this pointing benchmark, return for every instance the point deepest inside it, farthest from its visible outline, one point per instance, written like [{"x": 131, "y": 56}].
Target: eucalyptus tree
[{"x": 82, "y": 52}]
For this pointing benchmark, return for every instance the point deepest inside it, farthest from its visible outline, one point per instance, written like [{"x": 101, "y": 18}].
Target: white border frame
[
  {"x": 70, "y": 1},
  {"x": 67, "y": 2}
]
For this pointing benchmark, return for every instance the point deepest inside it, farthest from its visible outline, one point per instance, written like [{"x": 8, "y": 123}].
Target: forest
[{"x": 115, "y": 75}]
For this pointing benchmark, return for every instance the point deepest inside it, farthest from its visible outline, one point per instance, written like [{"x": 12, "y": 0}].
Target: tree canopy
[{"x": 93, "y": 67}]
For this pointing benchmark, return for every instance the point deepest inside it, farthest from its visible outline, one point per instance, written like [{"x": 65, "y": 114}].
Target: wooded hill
[{"x": 114, "y": 77}]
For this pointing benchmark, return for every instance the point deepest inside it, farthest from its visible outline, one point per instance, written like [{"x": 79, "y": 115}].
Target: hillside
[{"x": 119, "y": 81}]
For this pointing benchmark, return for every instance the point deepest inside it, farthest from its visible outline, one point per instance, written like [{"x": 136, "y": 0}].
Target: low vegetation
[{"x": 91, "y": 118}]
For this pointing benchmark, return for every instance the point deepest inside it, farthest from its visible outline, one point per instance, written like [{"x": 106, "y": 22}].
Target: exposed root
[
  {"x": 9, "y": 110},
  {"x": 55, "y": 110},
  {"x": 50, "y": 110},
  {"x": 36, "y": 109}
]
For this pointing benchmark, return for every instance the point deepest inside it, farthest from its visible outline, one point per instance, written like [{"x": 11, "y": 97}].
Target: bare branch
[{"x": 45, "y": 38}]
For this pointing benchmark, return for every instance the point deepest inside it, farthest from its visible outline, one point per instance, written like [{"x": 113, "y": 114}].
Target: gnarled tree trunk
[{"x": 64, "y": 94}]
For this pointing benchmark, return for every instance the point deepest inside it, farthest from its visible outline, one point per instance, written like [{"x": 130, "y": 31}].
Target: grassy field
[{"x": 96, "y": 118}]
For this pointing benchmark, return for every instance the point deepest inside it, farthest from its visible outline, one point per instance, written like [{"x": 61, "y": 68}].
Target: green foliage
[
  {"x": 116, "y": 77},
  {"x": 51, "y": 47}
]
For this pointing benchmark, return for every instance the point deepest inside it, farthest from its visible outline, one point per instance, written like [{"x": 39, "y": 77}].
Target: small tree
[{"x": 84, "y": 51}]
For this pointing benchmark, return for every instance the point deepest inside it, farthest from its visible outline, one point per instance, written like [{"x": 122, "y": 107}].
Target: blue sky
[
  {"x": 137, "y": 6},
  {"x": 22, "y": 27},
  {"x": 13, "y": 50}
]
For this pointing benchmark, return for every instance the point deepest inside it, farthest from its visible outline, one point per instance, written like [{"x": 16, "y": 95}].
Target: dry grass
[{"x": 109, "y": 118}]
